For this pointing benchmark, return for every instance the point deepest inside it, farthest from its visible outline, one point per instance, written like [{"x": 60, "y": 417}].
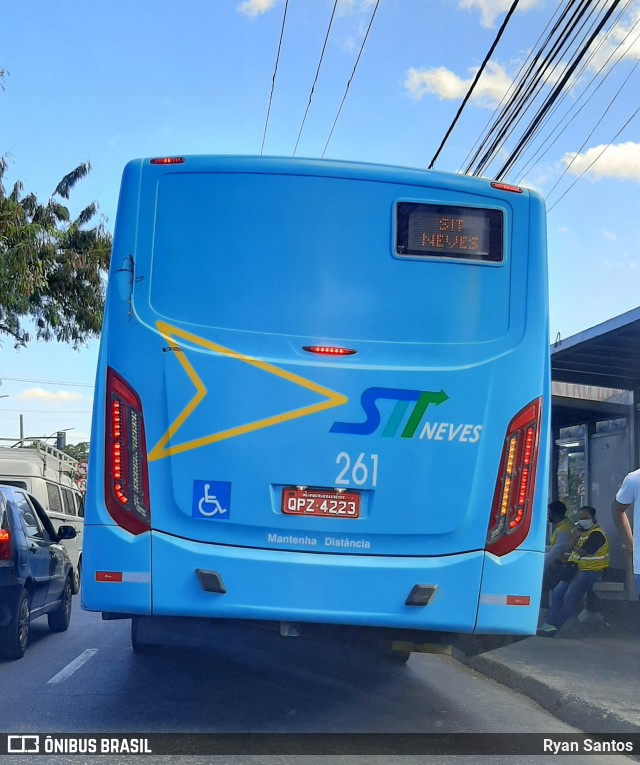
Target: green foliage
[
  {"x": 51, "y": 267},
  {"x": 79, "y": 452}
]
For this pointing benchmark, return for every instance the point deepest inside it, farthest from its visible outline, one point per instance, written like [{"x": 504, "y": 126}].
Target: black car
[{"x": 36, "y": 575}]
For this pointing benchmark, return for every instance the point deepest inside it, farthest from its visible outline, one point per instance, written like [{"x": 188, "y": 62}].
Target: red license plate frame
[{"x": 320, "y": 503}]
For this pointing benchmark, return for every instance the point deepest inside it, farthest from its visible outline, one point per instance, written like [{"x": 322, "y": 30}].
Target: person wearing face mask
[
  {"x": 584, "y": 566},
  {"x": 561, "y": 539}
]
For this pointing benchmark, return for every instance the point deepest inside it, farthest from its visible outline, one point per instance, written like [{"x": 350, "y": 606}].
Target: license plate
[{"x": 321, "y": 503}]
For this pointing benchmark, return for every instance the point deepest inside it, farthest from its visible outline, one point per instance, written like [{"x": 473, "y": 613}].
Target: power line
[
  {"x": 333, "y": 12},
  {"x": 475, "y": 80},
  {"x": 574, "y": 61},
  {"x": 555, "y": 133},
  {"x": 46, "y": 382},
  {"x": 351, "y": 78},
  {"x": 530, "y": 84},
  {"x": 517, "y": 86},
  {"x": 273, "y": 79},
  {"x": 554, "y": 95},
  {"x": 584, "y": 143},
  {"x": 60, "y": 412},
  {"x": 509, "y": 89},
  {"x": 545, "y": 75}
]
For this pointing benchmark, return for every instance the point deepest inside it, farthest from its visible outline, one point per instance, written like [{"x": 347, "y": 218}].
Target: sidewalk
[{"x": 588, "y": 675}]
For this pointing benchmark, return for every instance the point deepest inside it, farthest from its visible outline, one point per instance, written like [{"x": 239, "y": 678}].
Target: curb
[{"x": 581, "y": 713}]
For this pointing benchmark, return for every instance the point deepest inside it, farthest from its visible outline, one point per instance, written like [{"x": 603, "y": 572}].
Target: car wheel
[
  {"x": 76, "y": 578},
  {"x": 60, "y": 618},
  {"x": 15, "y": 636}
]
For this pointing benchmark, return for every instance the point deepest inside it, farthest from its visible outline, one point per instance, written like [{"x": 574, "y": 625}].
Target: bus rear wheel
[
  {"x": 392, "y": 656},
  {"x": 139, "y": 645}
]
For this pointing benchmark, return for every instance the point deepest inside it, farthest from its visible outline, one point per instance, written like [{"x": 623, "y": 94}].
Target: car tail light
[
  {"x": 126, "y": 480},
  {"x": 513, "y": 496},
  {"x": 5, "y": 545}
]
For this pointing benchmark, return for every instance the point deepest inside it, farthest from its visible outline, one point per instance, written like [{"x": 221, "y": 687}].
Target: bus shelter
[{"x": 594, "y": 422}]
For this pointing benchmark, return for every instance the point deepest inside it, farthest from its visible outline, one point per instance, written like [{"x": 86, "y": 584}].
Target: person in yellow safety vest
[
  {"x": 584, "y": 566},
  {"x": 562, "y": 538}
]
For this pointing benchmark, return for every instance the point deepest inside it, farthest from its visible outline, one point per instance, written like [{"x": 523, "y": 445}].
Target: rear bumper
[{"x": 300, "y": 587}]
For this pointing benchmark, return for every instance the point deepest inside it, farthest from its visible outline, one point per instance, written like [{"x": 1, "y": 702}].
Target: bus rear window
[{"x": 446, "y": 231}]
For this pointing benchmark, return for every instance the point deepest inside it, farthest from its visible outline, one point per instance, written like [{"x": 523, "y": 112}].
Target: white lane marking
[{"x": 66, "y": 673}]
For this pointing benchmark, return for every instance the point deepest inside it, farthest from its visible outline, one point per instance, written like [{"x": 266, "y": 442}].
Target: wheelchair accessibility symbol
[{"x": 211, "y": 499}]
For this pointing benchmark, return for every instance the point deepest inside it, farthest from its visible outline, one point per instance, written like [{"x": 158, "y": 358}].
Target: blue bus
[{"x": 322, "y": 401}]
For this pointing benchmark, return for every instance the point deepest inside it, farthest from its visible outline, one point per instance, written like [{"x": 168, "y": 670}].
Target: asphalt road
[{"x": 88, "y": 680}]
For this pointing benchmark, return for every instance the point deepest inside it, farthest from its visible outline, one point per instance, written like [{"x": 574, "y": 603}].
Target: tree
[
  {"x": 79, "y": 451},
  {"x": 51, "y": 267}
]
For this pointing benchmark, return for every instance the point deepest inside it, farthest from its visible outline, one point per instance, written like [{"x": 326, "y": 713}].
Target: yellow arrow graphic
[{"x": 172, "y": 335}]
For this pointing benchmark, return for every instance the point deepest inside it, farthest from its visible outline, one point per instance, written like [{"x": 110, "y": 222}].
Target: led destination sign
[{"x": 445, "y": 231}]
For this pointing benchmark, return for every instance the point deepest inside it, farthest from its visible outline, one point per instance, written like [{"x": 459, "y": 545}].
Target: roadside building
[{"x": 595, "y": 428}]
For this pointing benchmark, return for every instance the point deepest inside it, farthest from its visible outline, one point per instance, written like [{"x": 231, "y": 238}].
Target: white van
[{"x": 53, "y": 478}]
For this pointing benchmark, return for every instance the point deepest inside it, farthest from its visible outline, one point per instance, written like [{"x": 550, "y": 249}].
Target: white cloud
[
  {"x": 446, "y": 85},
  {"x": 621, "y": 41},
  {"x": 253, "y": 8},
  {"x": 610, "y": 236},
  {"x": 491, "y": 9},
  {"x": 59, "y": 396},
  {"x": 620, "y": 161},
  {"x": 354, "y": 6},
  {"x": 77, "y": 438}
]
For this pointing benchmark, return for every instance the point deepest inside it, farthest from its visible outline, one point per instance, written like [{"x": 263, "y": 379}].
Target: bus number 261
[{"x": 358, "y": 472}]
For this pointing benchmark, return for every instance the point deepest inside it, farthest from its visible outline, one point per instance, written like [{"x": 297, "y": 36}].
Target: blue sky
[{"x": 107, "y": 82}]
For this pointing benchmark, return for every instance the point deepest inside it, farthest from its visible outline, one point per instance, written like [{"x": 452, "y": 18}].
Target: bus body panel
[
  {"x": 338, "y": 589},
  {"x": 116, "y": 571},
  {"x": 414, "y": 421},
  {"x": 510, "y": 594}
]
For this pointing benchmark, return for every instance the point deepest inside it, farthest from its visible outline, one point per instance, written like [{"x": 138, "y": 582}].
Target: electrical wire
[
  {"x": 45, "y": 382},
  {"x": 333, "y": 12},
  {"x": 590, "y": 165},
  {"x": 554, "y": 95},
  {"x": 533, "y": 82},
  {"x": 273, "y": 79},
  {"x": 571, "y": 83},
  {"x": 503, "y": 26},
  {"x": 556, "y": 131},
  {"x": 584, "y": 143},
  {"x": 509, "y": 89},
  {"x": 351, "y": 78},
  {"x": 553, "y": 75},
  {"x": 507, "y": 110}
]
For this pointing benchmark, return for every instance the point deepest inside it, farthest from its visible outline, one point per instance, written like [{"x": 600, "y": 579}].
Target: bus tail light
[
  {"x": 513, "y": 496},
  {"x": 328, "y": 350},
  {"x": 167, "y": 160},
  {"x": 126, "y": 480}
]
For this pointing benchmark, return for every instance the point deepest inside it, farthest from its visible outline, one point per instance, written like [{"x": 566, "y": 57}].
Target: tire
[
  {"x": 77, "y": 576},
  {"x": 14, "y": 638},
  {"x": 396, "y": 658},
  {"x": 60, "y": 618},
  {"x": 140, "y": 647}
]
